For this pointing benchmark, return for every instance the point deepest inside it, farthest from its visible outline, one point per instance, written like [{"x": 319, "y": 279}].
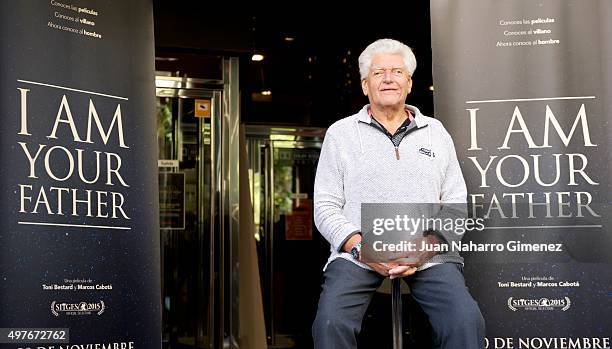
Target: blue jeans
[{"x": 440, "y": 291}]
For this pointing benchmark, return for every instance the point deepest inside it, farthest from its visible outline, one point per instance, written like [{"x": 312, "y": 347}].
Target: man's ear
[
  {"x": 364, "y": 87},
  {"x": 410, "y": 86}
]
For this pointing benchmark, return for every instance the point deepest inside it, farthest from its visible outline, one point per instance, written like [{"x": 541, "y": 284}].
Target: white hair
[{"x": 386, "y": 46}]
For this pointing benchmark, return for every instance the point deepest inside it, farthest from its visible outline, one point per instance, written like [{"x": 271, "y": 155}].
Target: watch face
[{"x": 355, "y": 252}]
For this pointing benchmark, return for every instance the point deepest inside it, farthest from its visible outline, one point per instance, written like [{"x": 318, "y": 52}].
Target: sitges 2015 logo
[
  {"x": 544, "y": 303},
  {"x": 81, "y": 308}
]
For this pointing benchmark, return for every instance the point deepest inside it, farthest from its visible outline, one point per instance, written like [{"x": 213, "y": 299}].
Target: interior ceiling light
[
  {"x": 257, "y": 57},
  {"x": 166, "y": 59}
]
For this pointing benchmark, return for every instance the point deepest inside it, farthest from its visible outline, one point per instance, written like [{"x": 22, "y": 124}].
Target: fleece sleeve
[{"x": 329, "y": 197}]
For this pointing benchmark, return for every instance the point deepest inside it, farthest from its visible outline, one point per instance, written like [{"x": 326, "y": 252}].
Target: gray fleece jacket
[{"x": 358, "y": 164}]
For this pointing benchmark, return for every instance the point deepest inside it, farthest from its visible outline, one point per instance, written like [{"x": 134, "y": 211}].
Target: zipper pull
[{"x": 397, "y": 153}]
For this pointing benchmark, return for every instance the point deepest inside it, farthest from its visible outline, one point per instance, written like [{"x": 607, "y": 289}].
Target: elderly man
[{"x": 389, "y": 152}]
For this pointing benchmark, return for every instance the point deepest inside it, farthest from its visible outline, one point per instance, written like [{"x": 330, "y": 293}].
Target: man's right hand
[
  {"x": 380, "y": 268},
  {"x": 400, "y": 271}
]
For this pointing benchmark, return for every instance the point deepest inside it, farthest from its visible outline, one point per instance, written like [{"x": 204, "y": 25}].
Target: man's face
[{"x": 388, "y": 82}]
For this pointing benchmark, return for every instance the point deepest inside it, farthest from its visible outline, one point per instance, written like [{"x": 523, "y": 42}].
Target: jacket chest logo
[{"x": 427, "y": 152}]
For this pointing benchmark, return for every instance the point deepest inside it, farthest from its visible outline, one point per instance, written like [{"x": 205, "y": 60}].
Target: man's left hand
[{"x": 417, "y": 258}]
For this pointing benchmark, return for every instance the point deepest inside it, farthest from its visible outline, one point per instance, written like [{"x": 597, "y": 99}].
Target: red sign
[{"x": 298, "y": 224}]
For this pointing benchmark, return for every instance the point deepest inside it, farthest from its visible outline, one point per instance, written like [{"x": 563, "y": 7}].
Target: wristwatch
[{"x": 356, "y": 251}]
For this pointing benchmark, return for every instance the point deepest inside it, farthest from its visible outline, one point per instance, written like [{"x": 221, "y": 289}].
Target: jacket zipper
[{"x": 397, "y": 153}]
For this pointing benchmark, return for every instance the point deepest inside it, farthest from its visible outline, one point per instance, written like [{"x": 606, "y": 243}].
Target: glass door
[
  {"x": 185, "y": 177},
  {"x": 198, "y": 192},
  {"x": 291, "y": 251}
]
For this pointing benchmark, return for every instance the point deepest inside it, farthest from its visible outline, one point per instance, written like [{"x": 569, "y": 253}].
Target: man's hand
[
  {"x": 401, "y": 271},
  {"x": 381, "y": 268},
  {"x": 417, "y": 258},
  {"x": 401, "y": 267}
]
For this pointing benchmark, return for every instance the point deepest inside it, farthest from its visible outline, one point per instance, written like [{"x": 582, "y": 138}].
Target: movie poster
[
  {"x": 79, "y": 236},
  {"x": 525, "y": 90}
]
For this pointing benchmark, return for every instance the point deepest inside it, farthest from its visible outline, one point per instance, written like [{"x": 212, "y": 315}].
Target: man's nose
[{"x": 388, "y": 76}]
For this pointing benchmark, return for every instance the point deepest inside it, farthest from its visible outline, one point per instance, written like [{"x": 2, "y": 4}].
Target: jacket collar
[{"x": 420, "y": 119}]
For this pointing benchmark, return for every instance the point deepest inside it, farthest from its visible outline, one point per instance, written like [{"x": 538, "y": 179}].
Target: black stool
[{"x": 396, "y": 312}]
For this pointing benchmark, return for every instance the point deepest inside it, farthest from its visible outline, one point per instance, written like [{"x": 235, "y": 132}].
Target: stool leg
[{"x": 396, "y": 312}]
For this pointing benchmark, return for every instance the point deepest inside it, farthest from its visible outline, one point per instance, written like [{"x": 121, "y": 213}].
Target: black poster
[
  {"x": 525, "y": 89},
  {"x": 79, "y": 235}
]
